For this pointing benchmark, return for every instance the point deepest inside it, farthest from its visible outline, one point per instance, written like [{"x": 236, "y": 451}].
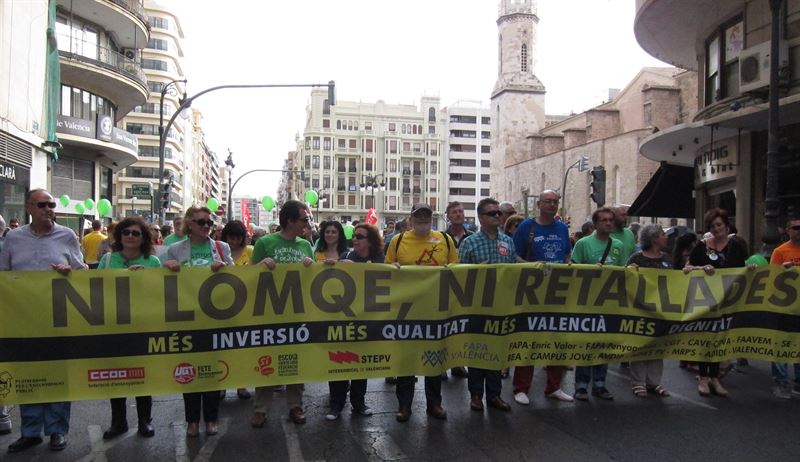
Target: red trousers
[{"x": 523, "y": 376}]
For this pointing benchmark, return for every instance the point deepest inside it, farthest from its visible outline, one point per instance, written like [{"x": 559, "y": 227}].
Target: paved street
[{"x": 751, "y": 425}]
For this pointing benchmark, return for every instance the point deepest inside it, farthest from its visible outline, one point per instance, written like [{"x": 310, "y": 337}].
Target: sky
[{"x": 394, "y": 50}]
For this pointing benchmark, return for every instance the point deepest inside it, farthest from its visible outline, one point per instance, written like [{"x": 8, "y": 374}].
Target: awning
[{"x": 668, "y": 194}]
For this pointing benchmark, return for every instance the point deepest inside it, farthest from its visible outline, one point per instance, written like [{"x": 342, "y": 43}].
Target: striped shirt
[{"x": 480, "y": 248}]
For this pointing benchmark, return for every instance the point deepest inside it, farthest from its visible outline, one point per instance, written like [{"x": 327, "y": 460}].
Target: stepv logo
[
  {"x": 6, "y": 382},
  {"x": 343, "y": 357},
  {"x": 101, "y": 375},
  {"x": 184, "y": 373}
]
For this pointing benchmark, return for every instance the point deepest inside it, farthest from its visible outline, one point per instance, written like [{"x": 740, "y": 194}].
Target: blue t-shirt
[{"x": 550, "y": 242}]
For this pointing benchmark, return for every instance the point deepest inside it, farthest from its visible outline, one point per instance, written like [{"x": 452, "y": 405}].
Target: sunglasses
[
  {"x": 795, "y": 228},
  {"x": 204, "y": 222},
  {"x": 50, "y": 205},
  {"x": 493, "y": 213},
  {"x": 131, "y": 232},
  {"x": 359, "y": 236}
]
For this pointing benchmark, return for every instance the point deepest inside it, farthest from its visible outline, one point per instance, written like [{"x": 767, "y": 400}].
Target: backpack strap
[
  {"x": 447, "y": 240},
  {"x": 605, "y": 253},
  {"x": 219, "y": 251},
  {"x": 529, "y": 251},
  {"x": 397, "y": 244}
]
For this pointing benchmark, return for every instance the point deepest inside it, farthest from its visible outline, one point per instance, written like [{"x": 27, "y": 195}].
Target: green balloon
[
  {"x": 103, "y": 207},
  {"x": 64, "y": 199},
  {"x": 212, "y": 204},
  {"x": 89, "y": 204},
  {"x": 312, "y": 197},
  {"x": 79, "y": 208},
  {"x": 268, "y": 203},
  {"x": 348, "y": 231}
]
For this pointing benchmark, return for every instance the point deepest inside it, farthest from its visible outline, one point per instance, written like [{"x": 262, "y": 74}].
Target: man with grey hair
[
  {"x": 508, "y": 209},
  {"x": 43, "y": 245}
]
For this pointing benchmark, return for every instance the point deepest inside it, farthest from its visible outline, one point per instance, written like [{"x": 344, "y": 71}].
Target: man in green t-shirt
[
  {"x": 623, "y": 234},
  {"x": 286, "y": 246},
  {"x": 177, "y": 234},
  {"x": 602, "y": 249}
]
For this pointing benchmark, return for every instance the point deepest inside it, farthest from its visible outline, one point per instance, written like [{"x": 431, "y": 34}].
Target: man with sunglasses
[
  {"x": 487, "y": 246},
  {"x": 788, "y": 256},
  {"x": 42, "y": 245},
  {"x": 542, "y": 239},
  {"x": 286, "y": 246}
]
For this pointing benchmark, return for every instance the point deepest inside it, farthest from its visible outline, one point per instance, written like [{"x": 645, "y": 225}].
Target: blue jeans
[
  {"x": 54, "y": 417},
  {"x": 584, "y": 374},
  {"x": 5, "y": 419},
  {"x": 780, "y": 374}
]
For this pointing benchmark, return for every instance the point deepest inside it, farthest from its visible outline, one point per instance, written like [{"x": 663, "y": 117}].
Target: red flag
[
  {"x": 371, "y": 217},
  {"x": 246, "y": 214}
]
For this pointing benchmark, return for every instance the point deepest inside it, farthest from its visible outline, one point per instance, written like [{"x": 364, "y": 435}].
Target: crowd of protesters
[{"x": 503, "y": 236}]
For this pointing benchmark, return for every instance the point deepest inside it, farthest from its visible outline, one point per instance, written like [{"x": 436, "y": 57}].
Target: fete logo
[
  {"x": 184, "y": 373},
  {"x": 343, "y": 357},
  {"x": 125, "y": 373},
  {"x": 6, "y": 382},
  {"x": 264, "y": 366}
]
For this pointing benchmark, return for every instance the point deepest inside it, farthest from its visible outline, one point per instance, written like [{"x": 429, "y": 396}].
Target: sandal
[
  {"x": 640, "y": 391},
  {"x": 659, "y": 390}
]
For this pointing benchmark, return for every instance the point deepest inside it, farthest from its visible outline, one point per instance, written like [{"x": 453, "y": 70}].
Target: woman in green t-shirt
[{"x": 132, "y": 248}]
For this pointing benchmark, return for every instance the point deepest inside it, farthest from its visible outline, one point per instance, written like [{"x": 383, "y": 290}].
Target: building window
[
  {"x": 73, "y": 177},
  {"x": 315, "y": 142},
  {"x": 159, "y": 23},
  {"x": 431, "y": 129},
  {"x": 341, "y": 143},
  {"x": 393, "y": 147},
  {"x": 431, "y": 114},
  {"x": 524, "y": 58},
  {"x": 392, "y": 127},
  {"x": 338, "y": 124},
  {"x": 368, "y": 164},
  {"x": 353, "y": 144},
  {"x": 369, "y": 146},
  {"x": 326, "y": 144},
  {"x": 158, "y": 44},
  {"x": 722, "y": 61},
  {"x": 326, "y": 162},
  {"x": 326, "y": 107},
  {"x": 314, "y": 161},
  {"x": 326, "y": 123},
  {"x": 155, "y": 64},
  {"x": 81, "y": 104},
  {"x": 393, "y": 165},
  {"x": 367, "y": 125}
]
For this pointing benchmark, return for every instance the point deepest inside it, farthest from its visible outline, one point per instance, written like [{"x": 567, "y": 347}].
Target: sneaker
[
  {"x": 602, "y": 393},
  {"x": 581, "y": 394},
  {"x": 560, "y": 395},
  {"x": 362, "y": 410},
  {"x": 782, "y": 392},
  {"x": 332, "y": 415},
  {"x": 522, "y": 398}
]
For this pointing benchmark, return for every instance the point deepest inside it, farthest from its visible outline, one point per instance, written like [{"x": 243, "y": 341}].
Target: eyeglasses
[
  {"x": 795, "y": 228},
  {"x": 549, "y": 201},
  {"x": 359, "y": 236},
  {"x": 131, "y": 232},
  {"x": 493, "y": 213},
  {"x": 204, "y": 222},
  {"x": 50, "y": 205}
]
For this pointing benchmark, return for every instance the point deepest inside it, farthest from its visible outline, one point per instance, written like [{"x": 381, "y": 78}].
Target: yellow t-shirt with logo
[{"x": 433, "y": 249}]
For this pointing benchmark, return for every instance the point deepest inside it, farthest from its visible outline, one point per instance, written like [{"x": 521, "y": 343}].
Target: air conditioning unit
[
  {"x": 754, "y": 64},
  {"x": 129, "y": 53}
]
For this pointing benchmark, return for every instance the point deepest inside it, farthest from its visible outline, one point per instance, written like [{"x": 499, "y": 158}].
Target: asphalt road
[{"x": 750, "y": 425}]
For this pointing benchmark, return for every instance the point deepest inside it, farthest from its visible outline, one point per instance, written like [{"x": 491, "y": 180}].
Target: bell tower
[{"x": 517, "y": 101}]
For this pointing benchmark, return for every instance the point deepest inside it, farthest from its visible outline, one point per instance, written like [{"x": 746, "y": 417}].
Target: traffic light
[
  {"x": 598, "y": 186},
  {"x": 583, "y": 164},
  {"x": 166, "y": 192}
]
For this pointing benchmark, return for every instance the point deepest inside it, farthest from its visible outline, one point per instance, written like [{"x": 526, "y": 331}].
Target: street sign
[{"x": 142, "y": 190}]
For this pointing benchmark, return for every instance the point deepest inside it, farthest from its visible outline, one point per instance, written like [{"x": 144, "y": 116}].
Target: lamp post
[
  {"x": 167, "y": 88},
  {"x": 187, "y": 102},
  {"x": 371, "y": 184},
  {"x": 771, "y": 237},
  {"x": 230, "y": 165}
]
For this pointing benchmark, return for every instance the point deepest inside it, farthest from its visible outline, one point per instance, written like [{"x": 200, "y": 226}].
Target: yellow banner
[{"x": 108, "y": 333}]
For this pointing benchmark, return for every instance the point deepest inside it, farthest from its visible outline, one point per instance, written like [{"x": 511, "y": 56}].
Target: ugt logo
[{"x": 434, "y": 358}]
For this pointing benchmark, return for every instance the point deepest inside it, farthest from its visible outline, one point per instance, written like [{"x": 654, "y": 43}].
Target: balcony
[
  {"x": 406, "y": 171},
  {"x": 125, "y": 20},
  {"x": 417, "y": 190},
  {"x": 98, "y": 140},
  {"x": 102, "y": 71},
  {"x": 406, "y": 190},
  {"x": 417, "y": 172}
]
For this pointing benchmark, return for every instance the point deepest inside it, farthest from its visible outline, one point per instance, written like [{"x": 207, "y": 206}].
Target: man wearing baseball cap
[{"x": 423, "y": 247}]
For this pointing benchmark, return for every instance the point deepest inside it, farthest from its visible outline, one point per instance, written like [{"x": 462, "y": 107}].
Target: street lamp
[
  {"x": 371, "y": 184},
  {"x": 187, "y": 102},
  {"x": 772, "y": 204},
  {"x": 230, "y": 165},
  {"x": 170, "y": 88}
]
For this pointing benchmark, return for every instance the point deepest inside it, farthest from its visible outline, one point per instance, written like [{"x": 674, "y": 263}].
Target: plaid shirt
[{"x": 479, "y": 248}]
